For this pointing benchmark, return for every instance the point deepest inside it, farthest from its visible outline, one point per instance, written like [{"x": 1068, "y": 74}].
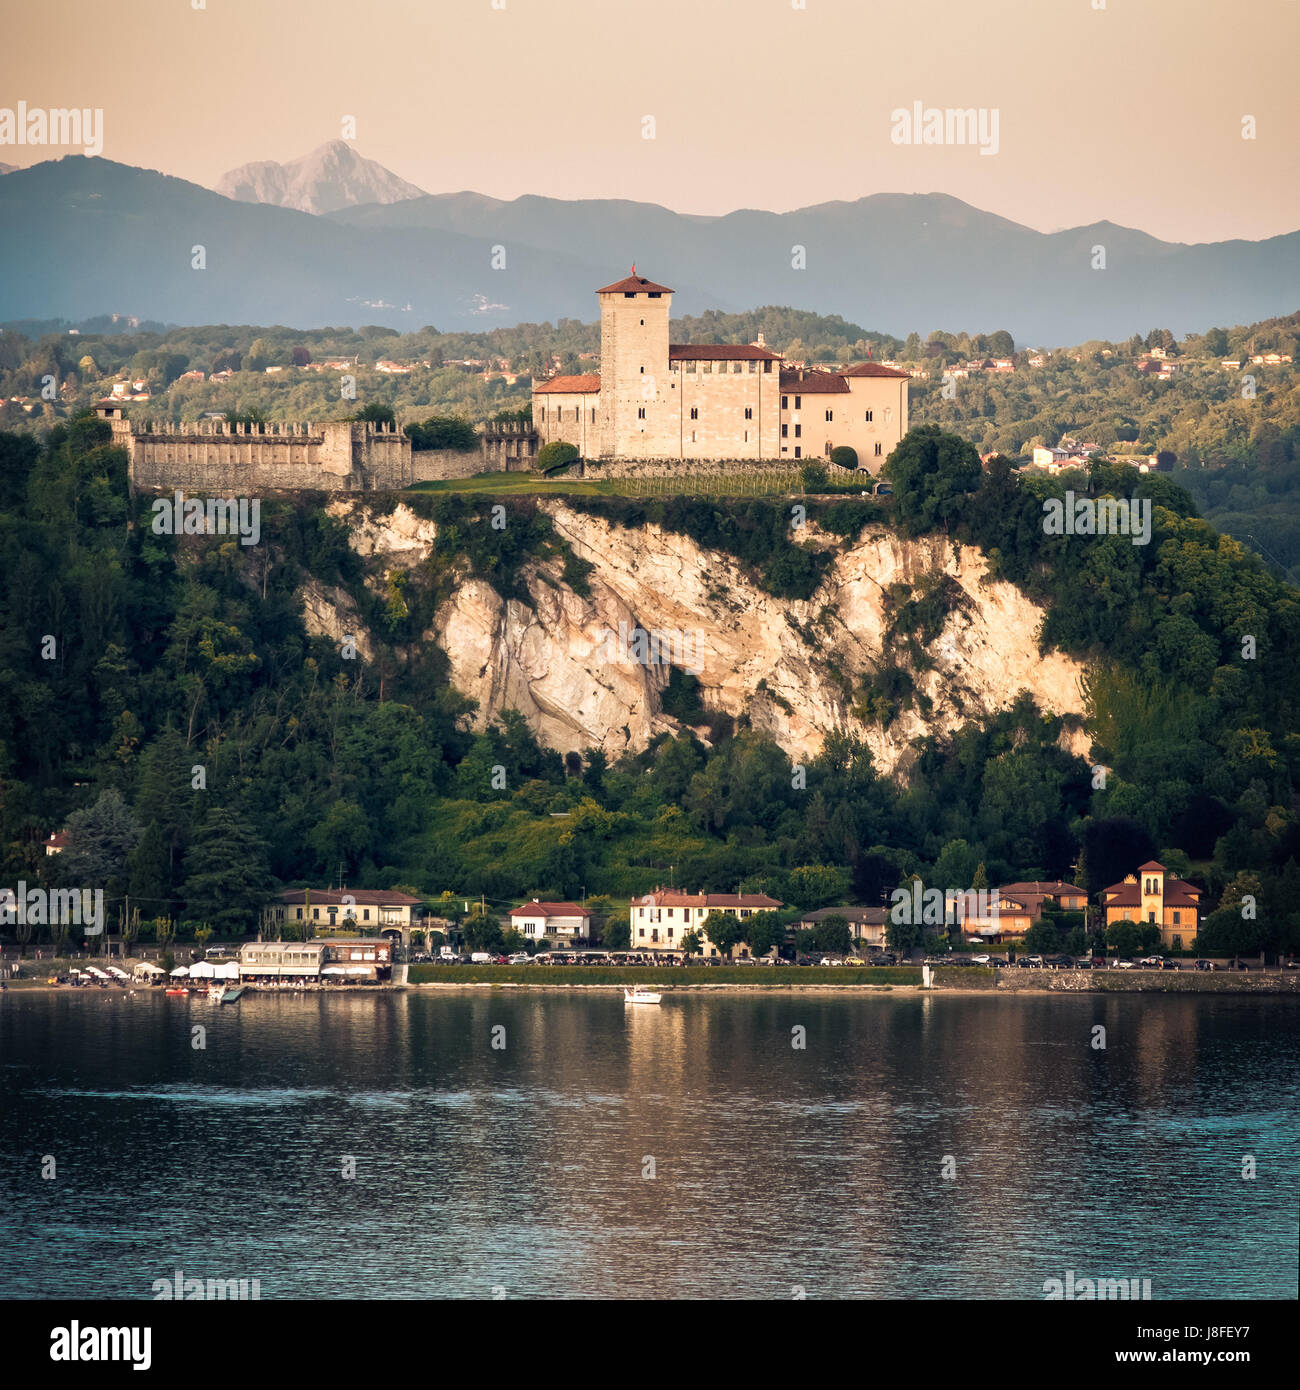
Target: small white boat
[{"x": 640, "y": 996}]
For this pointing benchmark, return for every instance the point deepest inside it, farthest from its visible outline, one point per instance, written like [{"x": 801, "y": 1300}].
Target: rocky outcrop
[{"x": 571, "y": 665}]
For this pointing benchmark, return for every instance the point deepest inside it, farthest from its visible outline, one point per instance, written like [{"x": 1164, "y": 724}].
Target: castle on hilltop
[{"x": 657, "y": 400}]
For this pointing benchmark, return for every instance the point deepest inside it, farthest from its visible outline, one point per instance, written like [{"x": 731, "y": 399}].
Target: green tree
[
  {"x": 832, "y": 934},
  {"x": 933, "y": 474},
  {"x": 1042, "y": 937},
  {"x": 724, "y": 930},
  {"x": 556, "y": 455},
  {"x": 100, "y": 840},
  {"x": 1123, "y": 938},
  {"x": 227, "y": 882}
]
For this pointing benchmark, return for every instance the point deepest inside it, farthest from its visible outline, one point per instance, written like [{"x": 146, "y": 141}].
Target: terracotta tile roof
[
  {"x": 538, "y": 909},
  {"x": 813, "y": 383},
  {"x": 635, "y": 284},
  {"x": 1151, "y": 867},
  {"x": 326, "y": 897},
  {"x": 719, "y": 352},
  {"x": 572, "y": 385},
  {"x": 873, "y": 369},
  {"x": 666, "y": 897},
  {"x": 1046, "y": 887},
  {"x": 867, "y": 916},
  {"x": 1177, "y": 892}
]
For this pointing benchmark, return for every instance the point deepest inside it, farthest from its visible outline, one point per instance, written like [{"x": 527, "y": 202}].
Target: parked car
[
  {"x": 1083, "y": 963},
  {"x": 1168, "y": 964},
  {"x": 1060, "y": 962},
  {"x": 826, "y": 960},
  {"x": 1208, "y": 965},
  {"x": 1124, "y": 965},
  {"x": 980, "y": 960},
  {"x": 1150, "y": 961},
  {"x": 520, "y": 958}
]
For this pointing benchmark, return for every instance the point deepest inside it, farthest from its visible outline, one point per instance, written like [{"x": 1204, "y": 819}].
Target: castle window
[
  {"x": 654, "y": 294},
  {"x": 695, "y": 412},
  {"x": 640, "y": 414},
  {"x": 708, "y": 366},
  {"x": 749, "y": 412},
  {"x": 868, "y": 417},
  {"x": 753, "y": 366},
  {"x": 1177, "y": 919},
  {"x": 785, "y": 431},
  {"x": 629, "y": 294},
  {"x": 798, "y": 452},
  {"x": 690, "y": 366},
  {"x": 785, "y": 402},
  {"x": 798, "y": 401},
  {"x": 692, "y": 436},
  {"x": 746, "y": 436},
  {"x": 829, "y": 415},
  {"x": 543, "y": 412},
  {"x": 735, "y": 367},
  {"x": 767, "y": 366},
  {"x": 879, "y": 450},
  {"x": 593, "y": 415},
  {"x": 643, "y": 323},
  {"x": 643, "y": 371},
  {"x": 798, "y": 431}
]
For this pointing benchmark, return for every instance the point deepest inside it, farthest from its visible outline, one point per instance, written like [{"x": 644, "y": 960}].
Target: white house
[{"x": 538, "y": 919}]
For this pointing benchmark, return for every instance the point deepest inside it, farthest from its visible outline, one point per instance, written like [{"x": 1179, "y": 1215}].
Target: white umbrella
[
  {"x": 120, "y": 973},
  {"x": 202, "y": 970},
  {"x": 228, "y": 971},
  {"x": 334, "y": 970},
  {"x": 180, "y": 971}
]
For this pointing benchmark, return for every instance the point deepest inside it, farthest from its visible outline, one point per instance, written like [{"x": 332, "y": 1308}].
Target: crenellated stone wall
[{"x": 216, "y": 456}]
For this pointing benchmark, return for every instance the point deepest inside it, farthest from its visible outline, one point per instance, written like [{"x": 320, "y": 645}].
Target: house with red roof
[
  {"x": 1156, "y": 895},
  {"x": 538, "y": 919}
]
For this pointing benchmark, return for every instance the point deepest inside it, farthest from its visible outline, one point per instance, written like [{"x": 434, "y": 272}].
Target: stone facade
[
  {"x": 656, "y": 400},
  {"x": 214, "y": 456}
]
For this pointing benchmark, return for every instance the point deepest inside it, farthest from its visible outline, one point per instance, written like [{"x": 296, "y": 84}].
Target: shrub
[
  {"x": 556, "y": 455},
  {"x": 842, "y": 456},
  {"x": 814, "y": 477},
  {"x": 442, "y": 432}
]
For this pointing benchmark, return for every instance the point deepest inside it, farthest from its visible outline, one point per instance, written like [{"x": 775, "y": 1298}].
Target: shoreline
[{"x": 1271, "y": 985}]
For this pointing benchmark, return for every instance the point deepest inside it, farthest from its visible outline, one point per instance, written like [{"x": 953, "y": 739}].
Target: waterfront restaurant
[
  {"x": 356, "y": 961},
  {"x": 265, "y": 962}
]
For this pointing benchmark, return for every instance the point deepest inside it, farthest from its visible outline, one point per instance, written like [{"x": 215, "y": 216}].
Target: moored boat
[
  {"x": 640, "y": 996},
  {"x": 176, "y": 989}
]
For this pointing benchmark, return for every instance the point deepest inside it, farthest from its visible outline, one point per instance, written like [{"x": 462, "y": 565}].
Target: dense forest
[{"x": 162, "y": 700}]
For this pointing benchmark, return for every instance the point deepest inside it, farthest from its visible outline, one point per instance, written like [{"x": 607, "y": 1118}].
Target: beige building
[
  {"x": 658, "y": 400},
  {"x": 381, "y": 910},
  {"x": 661, "y": 919}
]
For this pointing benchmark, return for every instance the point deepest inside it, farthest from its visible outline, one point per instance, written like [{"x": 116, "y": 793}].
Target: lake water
[{"x": 520, "y": 1168}]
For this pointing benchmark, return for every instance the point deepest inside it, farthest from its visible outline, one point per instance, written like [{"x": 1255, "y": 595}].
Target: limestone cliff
[{"x": 790, "y": 665}]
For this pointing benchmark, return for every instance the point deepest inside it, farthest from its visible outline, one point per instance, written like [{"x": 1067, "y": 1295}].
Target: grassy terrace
[
  {"x": 978, "y": 977},
  {"x": 530, "y": 484}
]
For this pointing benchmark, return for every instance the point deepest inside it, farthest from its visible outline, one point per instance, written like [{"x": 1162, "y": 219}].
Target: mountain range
[{"x": 85, "y": 236}]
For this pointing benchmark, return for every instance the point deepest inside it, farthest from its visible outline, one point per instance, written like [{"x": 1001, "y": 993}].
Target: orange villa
[{"x": 1171, "y": 903}]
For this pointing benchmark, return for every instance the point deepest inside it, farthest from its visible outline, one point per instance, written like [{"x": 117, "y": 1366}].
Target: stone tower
[{"x": 634, "y": 384}]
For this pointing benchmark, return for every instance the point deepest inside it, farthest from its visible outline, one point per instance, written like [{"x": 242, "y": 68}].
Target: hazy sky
[{"x": 1132, "y": 112}]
